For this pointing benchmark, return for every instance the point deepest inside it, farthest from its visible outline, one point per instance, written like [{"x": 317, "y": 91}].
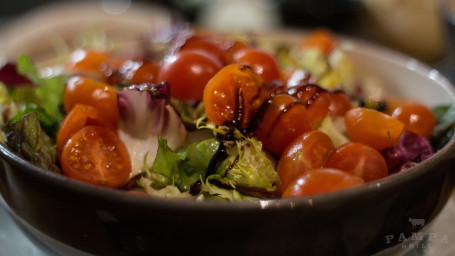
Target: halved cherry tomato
[
  {"x": 358, "y": 159},
  {"x": 306, "y": 152},
  {"x": 316, "y": 100},
  {"x": 96, "y": 155},
  {"x": 234, "y": 95},
  {"x": 320, "y": 181},
  {"x": 87, "y": 61},
  {"x": 79, "y": 117},
  {"x": 188, "y": 73},
  {"x": 339, "y": 103},
  {"x": 283, "y": 120},
  {"x": 208, "y": 46},
  {"x": 373, "y": 128},
  {"x": 264, "y": 63},
  {"x": 80, "y": 90},
  {"x": 417, "y": 118},
  {"x": 322, "y": 39}
]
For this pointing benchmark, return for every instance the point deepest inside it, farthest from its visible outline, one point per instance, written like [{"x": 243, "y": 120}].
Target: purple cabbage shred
[
  {"x": 10, "y": 76},
  {"x": 409, "y": 150}
]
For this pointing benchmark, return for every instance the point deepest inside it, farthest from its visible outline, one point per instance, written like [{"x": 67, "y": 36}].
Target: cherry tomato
[
  {"x": 358, "y": 159},
  {"x": 264, "y": 63},
  {"x": 339, "y": 103},
  {"x": 373, "y": 128},
  {"x": 320, "y": 181},
  {"x": 283, "y": 120},
  {"x": 416, "y": 117},
  {"x": 96, "y": 155},
  {"x": 321, "y": 39},
  {"x": 316, "y": 100},
  {"x": 306, "y": 152},
  {"x": 79, "y": 117},
  {"x": 87, "y": 61},
  {"x": 208, "y": 46},
  {"x": 80, "y": 90},
  {"x": 234, "y": 47},
  {"x": 142, "y": 72},
  {"x": 188, "y": 73},
  {"x": 234, "y": 95}
]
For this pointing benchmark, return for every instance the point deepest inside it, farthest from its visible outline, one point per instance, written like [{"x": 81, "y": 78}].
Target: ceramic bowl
[{"x": 74, "y": 218}]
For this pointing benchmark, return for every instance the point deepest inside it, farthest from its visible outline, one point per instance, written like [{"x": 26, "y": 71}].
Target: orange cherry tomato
[
  {"x": 188, "y": 73},
  {"x": 234, "y": 95},
  {"x": 283, "y": 120},
  {"x": 80, "y": 90},
  {"x": 322, "y": 39},
  {"x": 264, "y": 63},
  {"x": 320, "y": 181},
  {"x": 417, "y": 118},
  {"x": 79, "y": 117},
  {"x": 316, "y": 100},
  {"x": 358, "y": 159},
  {"x": 208, "y": 46},
  {"x": 339, "y": 103},
  {"x": 373, "y": 128},
  {"x": 96, "y": 155},
  {"x": 87, "y": 61},
  {"x": 306, "y": 152},
  {"x": 145, "y": 72}
]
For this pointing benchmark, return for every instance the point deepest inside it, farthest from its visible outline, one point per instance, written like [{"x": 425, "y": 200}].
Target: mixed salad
[{"x": 206, "y": 116}]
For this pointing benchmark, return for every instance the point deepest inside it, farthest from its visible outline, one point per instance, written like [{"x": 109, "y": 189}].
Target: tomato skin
[
  {"x": 283, "y": 120},
  {"x": 306, "y": 152},
  {"x": 87, "y": 61},
  {"x": 321, "y": 180},
  {"x": 188, "y": 73},
  {"x": 147, "y": 72},
  {"x": 208, "y": 46},
  {"x": 234, "y": 95},
  {"x": 416, "y": 117},
  {"x": 80, "y": 90},
  {"x": 79, "y": 117},
  {"x": 339, "y": 103},
  {"x": 316, "y": 100},
  {"x": 321, "y": 39},
  {"x": 358, "y": 159},
  {"x": 96, "y": 155},
  {"x": 264, "y": 63},
  {"x": 373, "y": 128}
]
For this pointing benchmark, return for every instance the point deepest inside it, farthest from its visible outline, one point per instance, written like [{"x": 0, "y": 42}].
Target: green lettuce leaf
[
  {"x": 185, "y": 166},
  {"x": 45, "y": 97},
  {"x": 26, "y": 138}
]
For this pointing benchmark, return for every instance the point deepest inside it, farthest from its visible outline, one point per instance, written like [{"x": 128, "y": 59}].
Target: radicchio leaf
[{"x": 145, "y": 114}]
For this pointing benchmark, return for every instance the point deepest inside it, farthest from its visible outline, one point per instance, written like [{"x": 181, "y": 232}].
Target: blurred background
[{"x": 414, "y": 27}]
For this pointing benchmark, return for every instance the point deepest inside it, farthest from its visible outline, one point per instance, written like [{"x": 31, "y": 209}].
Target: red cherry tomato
[
  {"x": 339, "y": 103},
  {"x": 208, "y": 46},
  {"x": 80, "y": 90},
  {"x": 145, "y": 72},
  {"x": 358, "y": 159},
  {"x": 283, "y": 120},
  {"x": 188, "y": 73},
  {"x": 416, "y": 117},
  {"x": 307, "y": 152},
  {"x": 96, "y": 155},
  {"x": 373, "y": 128},
  {"x": 316, "y": 100},
  {"x": 79, "y": 117},
  {"x": 320, "y": 181},
  {"x": 234, "y": 95},
  {"x": 264, "y": 63}
]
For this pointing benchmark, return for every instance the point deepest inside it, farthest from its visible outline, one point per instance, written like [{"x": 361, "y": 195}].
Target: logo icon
[{"x": 417, "y": 222}]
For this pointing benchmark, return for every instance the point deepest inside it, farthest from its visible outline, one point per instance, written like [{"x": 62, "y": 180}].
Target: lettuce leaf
[{"x": 28, "y": 140}]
